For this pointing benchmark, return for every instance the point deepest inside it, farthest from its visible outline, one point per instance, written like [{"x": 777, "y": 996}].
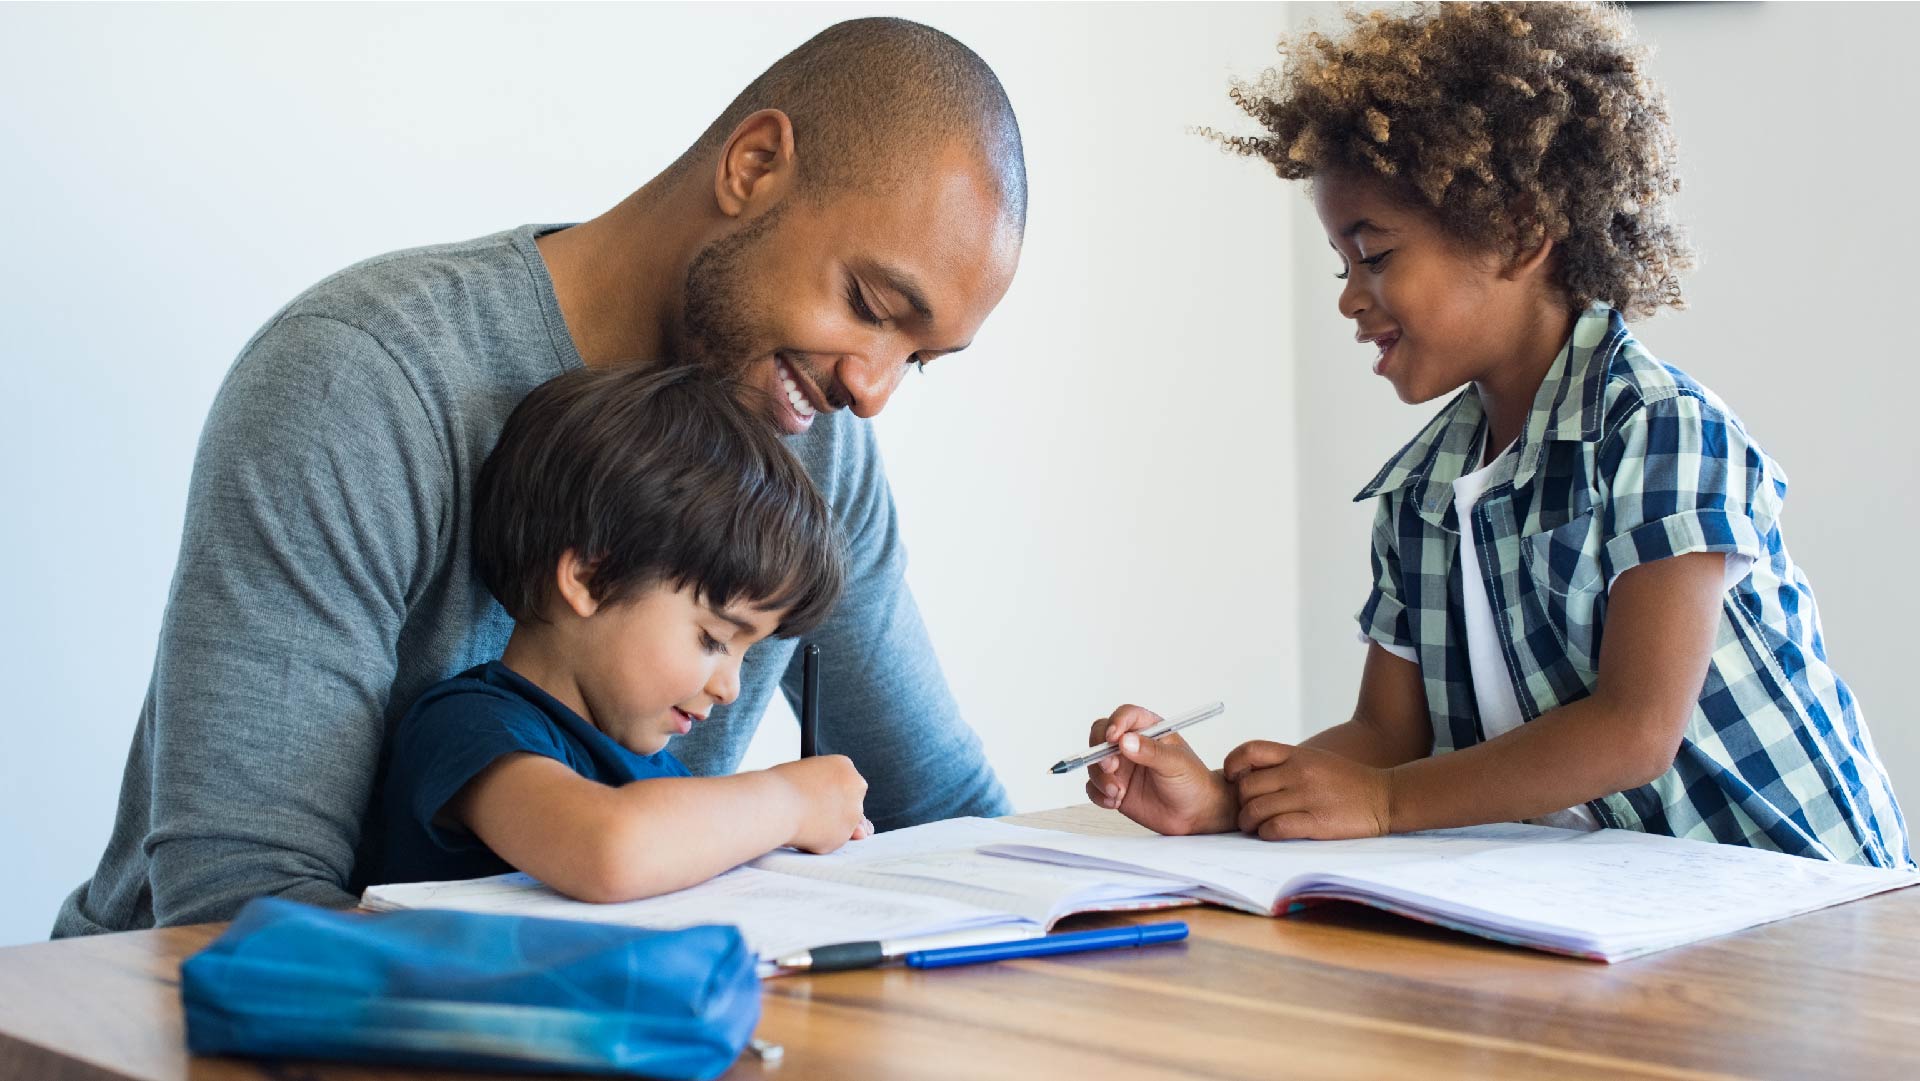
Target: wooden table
[{"x": 1338, "y": 992}]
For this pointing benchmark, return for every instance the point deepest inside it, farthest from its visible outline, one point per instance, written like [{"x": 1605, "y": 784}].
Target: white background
[{"x": 1133, "y": 487}]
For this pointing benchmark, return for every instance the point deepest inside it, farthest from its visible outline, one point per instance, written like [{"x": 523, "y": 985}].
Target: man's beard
[{"x": 716, "y": 320}]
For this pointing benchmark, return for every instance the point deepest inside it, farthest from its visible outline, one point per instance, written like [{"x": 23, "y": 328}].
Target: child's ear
[
  {"x": 1530, "y": 257},
  {"x": 572, "y": 580}
]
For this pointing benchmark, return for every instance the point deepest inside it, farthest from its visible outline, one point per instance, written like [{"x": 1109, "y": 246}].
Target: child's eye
[
  {"x": 711, "y": 644},
  {"x": 1373, "y": 262}
]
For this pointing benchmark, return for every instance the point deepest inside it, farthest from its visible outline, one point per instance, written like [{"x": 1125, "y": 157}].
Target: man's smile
[{"x": 800, "y": 400}]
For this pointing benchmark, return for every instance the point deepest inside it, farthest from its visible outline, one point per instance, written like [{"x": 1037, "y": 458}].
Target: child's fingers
[
  {"x": 1166, "y": 756},
  {"x": 1260, "y": 782},
  {"x": 1128, "y": 718},
  {"x": 1291, "y": 826},
  {"x": 1105, "y": 795},
  {"x": 1255, "y": 754},
  {"x": 863, "y": 831},
  {"x": 1255, "y": 813}
]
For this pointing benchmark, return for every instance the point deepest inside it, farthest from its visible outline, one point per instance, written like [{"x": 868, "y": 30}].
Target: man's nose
[{"x": 869, "y": 383}]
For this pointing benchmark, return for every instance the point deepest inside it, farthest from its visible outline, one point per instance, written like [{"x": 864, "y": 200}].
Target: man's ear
[
  {"x": 571, "y": 580},
  {"x": 756, "y": 164}
]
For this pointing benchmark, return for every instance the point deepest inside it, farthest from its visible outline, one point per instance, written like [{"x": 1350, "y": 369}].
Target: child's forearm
[
  {"x": 605, "y": 844},
  {"x": 1367, "y": 744},
  {"x": 1576, "y": 753},
  {"x": 685, "y": 830}
]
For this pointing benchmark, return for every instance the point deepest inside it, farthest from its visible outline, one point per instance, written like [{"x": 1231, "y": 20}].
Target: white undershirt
[{"x": 1492, "y": 686}]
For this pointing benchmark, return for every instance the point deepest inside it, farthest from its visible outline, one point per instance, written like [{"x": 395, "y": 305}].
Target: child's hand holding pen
[
  {"x": 1159, "y": 783},
  {"x": 826, "y": 806},
  {"x": 1277, "y": 791}
]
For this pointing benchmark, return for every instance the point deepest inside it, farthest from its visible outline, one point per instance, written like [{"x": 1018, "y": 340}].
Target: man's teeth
[{"x": 794, "y": 397}]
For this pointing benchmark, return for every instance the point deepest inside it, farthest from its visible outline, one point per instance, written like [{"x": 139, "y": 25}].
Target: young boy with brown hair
[{"x": 643, "y": 529}]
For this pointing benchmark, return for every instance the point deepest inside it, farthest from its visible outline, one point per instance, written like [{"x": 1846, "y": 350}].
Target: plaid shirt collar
[{"x": 1568, "y": 407}]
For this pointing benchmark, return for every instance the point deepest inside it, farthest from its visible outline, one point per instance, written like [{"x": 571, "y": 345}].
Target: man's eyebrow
[{"x": 903, "y": 283}]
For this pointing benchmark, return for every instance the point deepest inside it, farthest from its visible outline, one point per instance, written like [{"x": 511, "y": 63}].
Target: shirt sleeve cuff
[{"x": 1680, "y": 534}]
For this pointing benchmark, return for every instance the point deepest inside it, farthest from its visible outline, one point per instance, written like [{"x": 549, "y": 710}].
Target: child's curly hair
[{"x": 1512, "y": 122}]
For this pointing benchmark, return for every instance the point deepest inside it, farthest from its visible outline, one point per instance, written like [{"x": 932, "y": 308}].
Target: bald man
[{"x": 856, "y": 211}]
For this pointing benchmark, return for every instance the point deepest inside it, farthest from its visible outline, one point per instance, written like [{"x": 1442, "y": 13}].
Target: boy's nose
[
  {"x": 724, "y": 687},
  {"x": 1353, "y": 299}
]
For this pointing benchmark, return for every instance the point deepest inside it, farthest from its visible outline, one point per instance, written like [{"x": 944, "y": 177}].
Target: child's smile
[
  {"x": 1438, "y": 312},
  {"x": 1384, "y": 342},
  {"x": 683, "y": 720}
]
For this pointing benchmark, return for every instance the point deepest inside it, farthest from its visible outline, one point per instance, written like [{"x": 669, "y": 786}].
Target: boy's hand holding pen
[
  {"x": 1158, "y": 782},
  {"x": 830, "y": 793}
]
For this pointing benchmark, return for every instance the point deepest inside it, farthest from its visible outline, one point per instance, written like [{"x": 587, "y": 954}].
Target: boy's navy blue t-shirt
[{"x": 458, "y": 728}]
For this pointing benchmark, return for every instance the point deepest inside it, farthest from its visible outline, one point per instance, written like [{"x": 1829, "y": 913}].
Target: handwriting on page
[{"x": 1619, "y": 883}]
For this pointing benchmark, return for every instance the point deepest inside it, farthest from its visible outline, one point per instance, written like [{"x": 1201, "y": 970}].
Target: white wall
[
  {"x": 1796, "y": 127},
  {"x": 1097, "y": 496}
]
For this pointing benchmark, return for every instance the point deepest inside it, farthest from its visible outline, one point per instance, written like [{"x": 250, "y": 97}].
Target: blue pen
[{"x": 1073, "y": 942}]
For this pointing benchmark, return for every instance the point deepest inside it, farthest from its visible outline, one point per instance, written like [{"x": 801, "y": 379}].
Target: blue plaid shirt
[{"x": 1623, "y": 461}]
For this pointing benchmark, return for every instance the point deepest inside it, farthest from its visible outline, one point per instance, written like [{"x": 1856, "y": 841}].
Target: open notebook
[
  {"x": 926, "y": 880},
  {"x": 1609, "y": 895}
]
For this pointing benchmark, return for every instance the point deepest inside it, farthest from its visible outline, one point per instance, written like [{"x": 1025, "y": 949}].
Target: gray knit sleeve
[{"x": 316, "y": 503}]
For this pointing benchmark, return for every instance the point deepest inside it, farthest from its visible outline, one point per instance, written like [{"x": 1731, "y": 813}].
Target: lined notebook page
[
  {"x": 942, "y": 859},
  {"x": 776, "y": 913},
  {"x": 1611, "y": 894}
]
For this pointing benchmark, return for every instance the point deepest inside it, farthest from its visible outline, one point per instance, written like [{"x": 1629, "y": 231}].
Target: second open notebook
[{"x": 1609, "y": 895}]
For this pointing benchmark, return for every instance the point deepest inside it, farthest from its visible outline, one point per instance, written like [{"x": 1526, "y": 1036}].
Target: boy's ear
[
  {"x": 1529, "y": 261},
  {"x": 756, "y": 165},
  {"x": 571, "y": 582}
]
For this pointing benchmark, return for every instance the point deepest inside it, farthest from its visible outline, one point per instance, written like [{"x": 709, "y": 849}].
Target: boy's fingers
[
  {"x": 1161, "y": 756},
  {"x": 1255, "y": 754},
  {"x": 1255, "y": 813},
  {"x": 1098, "y": 734},
  {"x": 1105, "y": 794},
  {"x": 1260, "y": 782},
  {"x": 1126, "y": 719},
  {"x": 1294, "y": 825}
]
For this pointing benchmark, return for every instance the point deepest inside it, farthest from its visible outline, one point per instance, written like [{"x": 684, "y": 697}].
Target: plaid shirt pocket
[{"x": 1564, "y": 577}]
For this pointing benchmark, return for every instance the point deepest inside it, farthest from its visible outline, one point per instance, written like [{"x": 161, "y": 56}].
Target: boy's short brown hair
[
  {"x": 1512, "y": 123},
  {"x": 654, "y": 477}
]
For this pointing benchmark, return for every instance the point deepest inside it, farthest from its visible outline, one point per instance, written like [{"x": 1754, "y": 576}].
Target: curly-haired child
[{"x": 1583, "y": 612}]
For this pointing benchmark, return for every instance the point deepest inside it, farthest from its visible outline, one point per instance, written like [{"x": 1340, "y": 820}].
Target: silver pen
[{"x": 1108, "y": 750}]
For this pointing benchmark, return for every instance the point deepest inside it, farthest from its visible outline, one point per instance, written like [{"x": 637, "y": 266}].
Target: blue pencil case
[{"x": 466, "y": 990}]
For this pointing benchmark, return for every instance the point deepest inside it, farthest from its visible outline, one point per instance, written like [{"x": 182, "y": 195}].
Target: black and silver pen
[{"x": 843, "y": 956}]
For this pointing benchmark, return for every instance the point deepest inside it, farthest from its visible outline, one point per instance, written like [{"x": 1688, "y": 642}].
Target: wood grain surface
[{"x": 1337, "y": 992}]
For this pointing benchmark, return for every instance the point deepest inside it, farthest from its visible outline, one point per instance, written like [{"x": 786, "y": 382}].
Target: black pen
[{"x": 809, "y": 700}]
